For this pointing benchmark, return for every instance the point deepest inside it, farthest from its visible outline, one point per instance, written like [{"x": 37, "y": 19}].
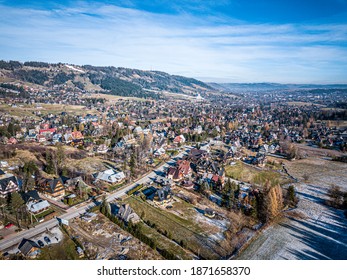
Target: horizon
[
  {"x": 225, "y": 42},
  {"x": 207, "y": 82}
]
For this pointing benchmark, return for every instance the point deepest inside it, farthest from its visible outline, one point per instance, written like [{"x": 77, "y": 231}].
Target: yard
[{"x": 184, "y": 224}]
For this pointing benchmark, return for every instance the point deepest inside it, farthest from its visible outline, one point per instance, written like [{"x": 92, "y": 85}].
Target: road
[{"x": 74, "y": 212}]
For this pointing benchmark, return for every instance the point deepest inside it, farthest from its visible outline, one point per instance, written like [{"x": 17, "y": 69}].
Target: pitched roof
[
  {"x": 5, "y": 179},
  {"x": 26, "y": 245}
]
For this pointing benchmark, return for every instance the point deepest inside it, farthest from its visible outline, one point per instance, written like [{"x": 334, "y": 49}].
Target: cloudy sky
[{"x": 288, "y": 41}]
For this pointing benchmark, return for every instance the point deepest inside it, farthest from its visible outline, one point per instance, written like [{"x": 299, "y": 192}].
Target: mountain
[
  {"x": 113, "y": 80},
  {"x": 243, "y": 87}
]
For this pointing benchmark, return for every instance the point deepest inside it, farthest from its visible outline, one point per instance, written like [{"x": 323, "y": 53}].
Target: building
[
  {"x": 8, "y": 184},
  {"x": 127, "y": 214},
  {"x": 29, "y": 248},
  {"x": 110, "y": 176},
  {"x": 53, "y": 188}
]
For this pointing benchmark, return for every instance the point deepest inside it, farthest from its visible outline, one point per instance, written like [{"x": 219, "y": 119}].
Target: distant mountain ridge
[
  {"x": 239, "y": 87},
  {"x": 115, "y": 80}
]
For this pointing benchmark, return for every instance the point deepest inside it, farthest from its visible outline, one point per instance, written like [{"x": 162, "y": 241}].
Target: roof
[
  {"x": 110, "y": 176},
  {"x": 5, "y": 179},
  {"x": 30, "y": 195},
  {"x": 26, "y": 246},
  {"x": 37, "y": 206},
  {"x": 51, "y": 184}
]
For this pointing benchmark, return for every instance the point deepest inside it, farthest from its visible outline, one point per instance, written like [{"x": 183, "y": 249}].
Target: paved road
[{"x": 74, "y": 212}]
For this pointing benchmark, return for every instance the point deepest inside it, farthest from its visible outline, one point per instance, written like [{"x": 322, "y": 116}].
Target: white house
[{"x": 110, "y": 176}]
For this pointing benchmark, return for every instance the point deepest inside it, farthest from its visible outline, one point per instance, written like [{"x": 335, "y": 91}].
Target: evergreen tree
[{"x": 16, "y": 203}]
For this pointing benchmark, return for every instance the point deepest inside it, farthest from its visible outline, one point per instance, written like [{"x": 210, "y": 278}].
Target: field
[
  {"x": 313, "y": 230},
  {"x": 103, "y": 239},
  {"x": 30, "y": 110},
  {"x": 113, "y": 98},
  {"x": 299, "y": 104},
  {"x": 247, "y": 173},
  {"x": 183, "y": 223}
]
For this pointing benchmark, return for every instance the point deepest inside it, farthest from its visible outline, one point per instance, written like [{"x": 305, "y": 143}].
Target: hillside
[{"x": 115, "y": 80}]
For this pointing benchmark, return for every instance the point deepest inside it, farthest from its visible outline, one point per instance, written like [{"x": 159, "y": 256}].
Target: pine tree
[{"x": 16, "y": 203}]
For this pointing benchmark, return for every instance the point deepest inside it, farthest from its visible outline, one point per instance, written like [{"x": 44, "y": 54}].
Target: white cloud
[{"x": 178, "y": 44}]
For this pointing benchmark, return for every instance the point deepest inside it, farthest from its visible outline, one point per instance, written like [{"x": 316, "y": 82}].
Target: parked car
[
  {"x": 41, "y": 244},
  {"x": 47, "y": 240},
  {"x": 9, "y": 225}
]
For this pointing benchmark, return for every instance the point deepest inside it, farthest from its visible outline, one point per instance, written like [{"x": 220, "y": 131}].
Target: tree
[
  {"x": 60, "y": 155},
  {"x": 16, "y": 204},
  {"x": 81, "y": 127},
  {"x": 269, "y": 202},
  {"x": 291, "y": 196},
  {"x": 336, "y": 196},
  {"x": 29, "y": 169},
  {"x": 105, "y": 207},
  {"x": 3, "y": 203},
  {"x": 132, "y": 164},
  {"x": 306, "y": 177},
  {"x": 50, "y": 166}
]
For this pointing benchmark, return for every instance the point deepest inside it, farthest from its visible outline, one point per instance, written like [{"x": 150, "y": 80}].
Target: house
[
  {"x": 210, "y": 213},
  {"x": 36, "y": 207},
  {"x": 127, "y": 214},
  {"x": 53, "y": 188},
  {"x": 80, "y": 252},
  {"x": 12, "y": 141},
  {"x": 179, "y": 139},
  {"x": 34, "y": 203},
  {"x": 77, "y": 135},
  {"x": 40, "y": 138},
  {"x": 162, "y": 196},
  {"x": 159, "y": 152},
  {"x": 47, "y": 133},
  {"x": 110, "y": 176},
  {"x": 56, "y": 138},
  {"x": 129, "y": 139},
  {"x": 197, "y": 154},
  {"x": 28, "y": 248},
  {"x": 102, "y": 149},
  {"x": 181, "y": 170},
  {"x": 8, "y": 184}
]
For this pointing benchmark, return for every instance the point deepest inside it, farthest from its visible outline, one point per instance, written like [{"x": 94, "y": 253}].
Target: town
[{"x": 89, "y": 174}]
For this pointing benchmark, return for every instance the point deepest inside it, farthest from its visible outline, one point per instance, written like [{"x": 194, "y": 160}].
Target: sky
[{"x": 287, "y": 41}]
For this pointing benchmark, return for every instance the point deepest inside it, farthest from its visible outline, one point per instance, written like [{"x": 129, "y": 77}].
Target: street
[{"x": 74, "y": 212}]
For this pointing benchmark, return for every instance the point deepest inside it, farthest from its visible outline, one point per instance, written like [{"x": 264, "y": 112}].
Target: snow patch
[{"x": 74, "y": 69}]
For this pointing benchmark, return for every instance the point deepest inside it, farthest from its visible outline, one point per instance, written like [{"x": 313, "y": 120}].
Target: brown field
[
  {"x": 299, "y": 104},
  {"x": 113, "y": 98},
  {"x": 29, "y": 110}
]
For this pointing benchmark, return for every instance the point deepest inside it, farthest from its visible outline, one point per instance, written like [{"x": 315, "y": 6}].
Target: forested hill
[{"x": 114, "y": 80}]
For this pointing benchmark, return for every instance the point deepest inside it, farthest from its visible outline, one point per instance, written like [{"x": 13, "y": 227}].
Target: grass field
[
  {"x": 249, "y": 174},
  {"x": 29, "y": 110},
  {"x": 113, "y": 98},
  {"x": 180, "y": 228}
]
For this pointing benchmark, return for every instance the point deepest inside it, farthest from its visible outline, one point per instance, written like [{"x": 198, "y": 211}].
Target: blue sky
[{"x": 224, "y": 41}]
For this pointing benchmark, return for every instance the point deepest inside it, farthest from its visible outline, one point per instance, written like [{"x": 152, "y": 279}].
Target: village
[{"x": 212, "y": 159}]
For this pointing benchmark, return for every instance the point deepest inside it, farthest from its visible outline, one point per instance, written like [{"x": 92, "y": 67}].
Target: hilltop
[{"x": 114, "y": 80}]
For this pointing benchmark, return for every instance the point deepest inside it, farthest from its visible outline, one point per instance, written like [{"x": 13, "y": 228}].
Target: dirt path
[{"x": 313, "y": 230}]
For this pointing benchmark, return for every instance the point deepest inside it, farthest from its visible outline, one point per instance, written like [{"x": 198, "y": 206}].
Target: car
[
  {"x": 47, "y": 240},
  {"x": 9, "y": 225},
  {"x": 41, "y": 244}
]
